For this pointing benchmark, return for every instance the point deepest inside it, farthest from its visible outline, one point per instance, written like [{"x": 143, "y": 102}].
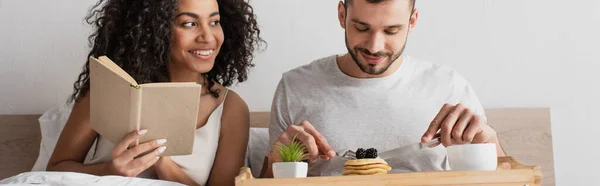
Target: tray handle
[
  {"x": 245, "y": 174},
  {"x": 509, "y": 162}
]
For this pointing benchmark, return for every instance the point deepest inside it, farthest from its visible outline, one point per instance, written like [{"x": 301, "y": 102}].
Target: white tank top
[{"x": 196, "y": 165}]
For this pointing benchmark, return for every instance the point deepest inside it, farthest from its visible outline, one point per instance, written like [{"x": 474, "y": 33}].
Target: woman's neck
[{"x": 184, "y": 75}]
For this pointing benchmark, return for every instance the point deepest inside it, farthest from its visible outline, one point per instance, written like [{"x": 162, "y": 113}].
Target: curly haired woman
[{"x": 210, "y": 42}]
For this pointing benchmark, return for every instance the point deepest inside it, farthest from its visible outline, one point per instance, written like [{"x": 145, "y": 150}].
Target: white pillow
[
  {"x": 51, "y": 125},
  {"x": 257, "y": 149}
]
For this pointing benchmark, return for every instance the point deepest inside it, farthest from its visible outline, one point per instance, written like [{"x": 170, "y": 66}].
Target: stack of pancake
[{"x": 366, "y": 166}]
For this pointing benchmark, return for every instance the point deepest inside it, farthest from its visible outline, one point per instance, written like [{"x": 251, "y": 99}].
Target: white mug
[{"x": 472, "y": 157}]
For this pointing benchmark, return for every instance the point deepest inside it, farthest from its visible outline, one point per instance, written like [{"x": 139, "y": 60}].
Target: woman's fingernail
[
  {"x": 161, "y": 141},
  {"x": 161, "y": 149},
  {"x": 142, "y": 132}
]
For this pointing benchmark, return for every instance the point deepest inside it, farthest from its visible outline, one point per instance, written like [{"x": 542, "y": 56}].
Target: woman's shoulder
[
  {"x": 229, "y": 98},
  {"x": 235, "y": 109},
  {"x": 234, "y": 102}
]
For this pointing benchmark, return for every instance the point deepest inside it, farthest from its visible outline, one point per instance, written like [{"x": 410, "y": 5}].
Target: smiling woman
[{"x": 205, "y": 41}]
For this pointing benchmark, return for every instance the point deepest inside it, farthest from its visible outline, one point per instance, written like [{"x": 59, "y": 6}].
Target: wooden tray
[{"x": 510, "y": 172}]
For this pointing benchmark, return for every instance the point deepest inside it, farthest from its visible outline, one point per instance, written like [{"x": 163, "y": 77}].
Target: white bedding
[{"x": 77, "y": 179}]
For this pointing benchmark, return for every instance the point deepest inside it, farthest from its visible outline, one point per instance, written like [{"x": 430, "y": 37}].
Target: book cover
[{"x": 119, "y": 106}]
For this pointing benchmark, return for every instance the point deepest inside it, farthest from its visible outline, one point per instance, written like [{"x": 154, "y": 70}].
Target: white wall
[
  {"x": 516, "y": 53},
  {"x": 43, "y": 46}
]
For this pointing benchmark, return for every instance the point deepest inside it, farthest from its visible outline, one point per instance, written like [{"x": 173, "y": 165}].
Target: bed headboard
[{"x": 525, "y": 133}]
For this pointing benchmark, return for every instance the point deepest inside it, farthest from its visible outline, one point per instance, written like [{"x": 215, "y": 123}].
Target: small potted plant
[{"x": 292, "y": 165}]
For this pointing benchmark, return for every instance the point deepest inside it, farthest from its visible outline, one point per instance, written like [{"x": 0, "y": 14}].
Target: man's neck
[{"x": 347, "y": 65}]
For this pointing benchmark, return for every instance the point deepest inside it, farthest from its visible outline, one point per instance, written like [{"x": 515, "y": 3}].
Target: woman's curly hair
[{"x": 137, "y": 36}]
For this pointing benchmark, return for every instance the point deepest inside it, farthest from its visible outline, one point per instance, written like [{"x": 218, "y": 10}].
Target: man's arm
[
  {"x": 464, "y": 121},
  {"x": 472, "y": 101},
  {"x": 279, "y": 121},
  {"x": 282, "y": 130},
  {"x": 499, "y": 150}
]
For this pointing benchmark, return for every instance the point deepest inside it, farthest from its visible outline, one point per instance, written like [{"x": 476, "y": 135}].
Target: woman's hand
[{"x": 128, "y": 162}]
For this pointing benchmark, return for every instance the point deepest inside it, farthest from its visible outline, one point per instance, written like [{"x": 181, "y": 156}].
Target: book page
[
  {"x": 171, "y": 84},
  {"x": 116, "y": 69},
  {"x": 170, "y": 111},
  {"x": 110, "y": 102}
]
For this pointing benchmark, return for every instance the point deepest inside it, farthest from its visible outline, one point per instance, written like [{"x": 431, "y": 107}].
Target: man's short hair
[{"x": 349, "y": 2}]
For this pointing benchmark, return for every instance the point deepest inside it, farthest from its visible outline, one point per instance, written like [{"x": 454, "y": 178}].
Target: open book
[{"x": 119, "y": 106}]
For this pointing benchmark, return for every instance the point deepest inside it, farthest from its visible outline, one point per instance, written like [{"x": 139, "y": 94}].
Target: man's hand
[
  {"x": 315, "y": 143},
  {"x": 457, "y": 124}
]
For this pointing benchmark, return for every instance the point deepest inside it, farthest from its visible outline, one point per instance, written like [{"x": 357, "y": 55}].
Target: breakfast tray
[{"x": 509, "y": 172}]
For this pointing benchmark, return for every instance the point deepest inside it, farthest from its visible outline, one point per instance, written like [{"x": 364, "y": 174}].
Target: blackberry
[
  {"x": 371, "y": 153},
  {"x": 360, "y": 153}
]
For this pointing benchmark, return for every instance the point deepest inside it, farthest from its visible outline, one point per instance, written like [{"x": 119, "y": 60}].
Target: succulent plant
[{"x": 293, "y": 152}]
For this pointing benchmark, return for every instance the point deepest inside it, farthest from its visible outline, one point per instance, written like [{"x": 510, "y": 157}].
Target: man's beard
[{"x": 371, "y": 69}]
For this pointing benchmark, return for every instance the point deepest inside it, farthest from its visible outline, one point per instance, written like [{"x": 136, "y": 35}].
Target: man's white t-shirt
[{"x": 382, "y": 113}]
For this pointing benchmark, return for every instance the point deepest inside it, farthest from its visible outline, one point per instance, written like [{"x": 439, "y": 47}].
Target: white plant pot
[{"x": 290, "y": 169}]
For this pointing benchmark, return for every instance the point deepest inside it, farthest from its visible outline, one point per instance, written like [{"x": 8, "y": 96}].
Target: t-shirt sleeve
[
  {"x": 465, "y": 94},
  {"x": 280, "y": 117}
]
